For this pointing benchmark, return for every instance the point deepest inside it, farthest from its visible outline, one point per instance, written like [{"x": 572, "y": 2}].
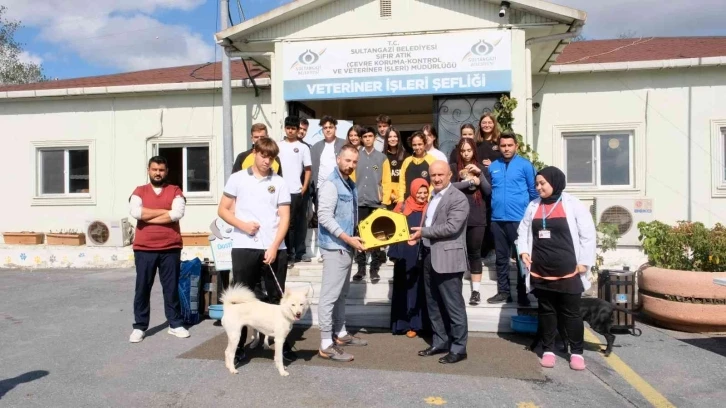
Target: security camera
[{"x": 503, "y": 9}]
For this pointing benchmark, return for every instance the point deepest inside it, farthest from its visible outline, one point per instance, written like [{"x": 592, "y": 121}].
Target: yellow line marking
[
  {"x": 526, "y": 405},
  {"x": 435, "y": 401},
  {"x": 640, "y": 385}
]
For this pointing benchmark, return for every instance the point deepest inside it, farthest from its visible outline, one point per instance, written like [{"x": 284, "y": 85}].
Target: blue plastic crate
[{"x": 524, "y": 324}]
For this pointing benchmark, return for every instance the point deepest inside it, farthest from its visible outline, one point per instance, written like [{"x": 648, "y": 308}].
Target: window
[
  {"x": 600, "y": 160},
  {"x": 63, "y": 171},
  {"x": 188, "y": 165}
]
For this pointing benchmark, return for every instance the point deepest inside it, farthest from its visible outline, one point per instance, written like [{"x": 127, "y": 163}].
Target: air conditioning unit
[
  {"x": 626, "y": 213},
  {"x": 109, "y": 233}
]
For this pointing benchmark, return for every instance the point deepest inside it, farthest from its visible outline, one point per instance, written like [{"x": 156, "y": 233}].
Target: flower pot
[
  {"x": 66, "y": 239},
  {"x": 684, "y": 300},
  {"x": 23, "y": 238},
  {"x": 195, "y": 239}
]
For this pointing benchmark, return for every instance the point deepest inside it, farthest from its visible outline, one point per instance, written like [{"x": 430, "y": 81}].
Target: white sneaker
[
  {"x": 179, "y": 332},
  {"x": 136, "y": 336}
]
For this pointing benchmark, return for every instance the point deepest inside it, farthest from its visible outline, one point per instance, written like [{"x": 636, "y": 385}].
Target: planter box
[
  {"x": 195, "y": 239},
  {"x": 684, "y": 300},
  {"x": 66, "y": 239},
  {"x": 23, "y": 238}
]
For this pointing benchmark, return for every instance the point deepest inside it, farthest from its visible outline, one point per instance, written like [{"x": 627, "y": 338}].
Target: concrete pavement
[{"x": 64, "y": 336}]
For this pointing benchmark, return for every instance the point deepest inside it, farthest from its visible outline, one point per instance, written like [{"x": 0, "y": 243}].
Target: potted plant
[
  {"x": 23, "y": 238},
  {"x": 195, "y": 238},
  {"x": 677, "y": 289},
  {"x": 66, "y": 237}
]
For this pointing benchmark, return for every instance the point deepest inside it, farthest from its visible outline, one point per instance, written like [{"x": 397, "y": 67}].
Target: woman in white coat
[{"x": 557, "y": 245}]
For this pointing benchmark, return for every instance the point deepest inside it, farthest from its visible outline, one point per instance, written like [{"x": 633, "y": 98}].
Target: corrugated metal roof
[
  {"x": 641, "y": 49},
  {"x": 189, "y": 73}
]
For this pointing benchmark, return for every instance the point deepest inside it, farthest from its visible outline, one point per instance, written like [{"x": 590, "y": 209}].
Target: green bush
[
  {"x": 503, "y": 112},
  {"x": 686, "y": 246}
]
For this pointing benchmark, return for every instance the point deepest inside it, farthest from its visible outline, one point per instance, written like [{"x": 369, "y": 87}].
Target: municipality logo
[
  {"x": 308, "y": 57},
  {"x": 482, "y": 48},
  {"x": 481, "y": 51}
]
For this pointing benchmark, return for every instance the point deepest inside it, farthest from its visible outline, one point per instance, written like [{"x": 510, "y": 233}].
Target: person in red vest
[{"x": 158, "y": 207}]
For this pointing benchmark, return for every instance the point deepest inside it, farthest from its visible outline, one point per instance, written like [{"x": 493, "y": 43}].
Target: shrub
[{"x": 687, "y": 246}]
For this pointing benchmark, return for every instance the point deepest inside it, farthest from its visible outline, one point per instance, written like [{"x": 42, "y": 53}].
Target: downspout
[
  {"x": 574, "y": 30},
  {"x": 227, "y": 131},
  {"x": 690, "y": 118}
]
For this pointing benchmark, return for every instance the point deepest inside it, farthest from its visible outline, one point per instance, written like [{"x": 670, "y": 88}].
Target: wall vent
[{"x": 385, "y": 8}]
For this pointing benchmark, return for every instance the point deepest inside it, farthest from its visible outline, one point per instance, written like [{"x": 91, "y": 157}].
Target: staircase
[{"x": 368, "y": 305}]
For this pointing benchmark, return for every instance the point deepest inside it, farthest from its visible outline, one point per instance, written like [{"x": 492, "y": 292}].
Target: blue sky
[{"x": 76, "y": 38}]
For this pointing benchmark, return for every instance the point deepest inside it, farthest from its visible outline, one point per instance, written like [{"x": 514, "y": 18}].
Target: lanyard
[{"x": 544, "y": 217}]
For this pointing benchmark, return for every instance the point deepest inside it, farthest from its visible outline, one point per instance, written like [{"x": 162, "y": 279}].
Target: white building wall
[
  {"x": 655, "y": 103},
  {"x": 117, "y": 130},
  {"x": 362, "y": 17}
]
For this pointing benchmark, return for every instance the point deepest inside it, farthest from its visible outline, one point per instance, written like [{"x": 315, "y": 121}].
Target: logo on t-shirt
[
  {"x": 375, "y": 167},
  {"x": 495, "y": 147},
  {"x": 394, "y": 163},
  {"x": 296, "y": 150},
  {"x": 271, "y": 189},
  {"x": 424, "y": 173}
]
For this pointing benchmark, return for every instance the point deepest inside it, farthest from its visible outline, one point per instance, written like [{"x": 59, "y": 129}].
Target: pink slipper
[
  {"x": 548, "y": 360},
  {"x": 577, "y": 362}
]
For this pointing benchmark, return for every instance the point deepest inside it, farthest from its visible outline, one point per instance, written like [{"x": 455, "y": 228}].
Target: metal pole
[{"x": 227, "y": 141}]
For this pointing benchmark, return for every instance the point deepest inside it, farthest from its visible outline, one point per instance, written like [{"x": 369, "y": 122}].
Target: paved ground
[{"x": 64, "y": 337}]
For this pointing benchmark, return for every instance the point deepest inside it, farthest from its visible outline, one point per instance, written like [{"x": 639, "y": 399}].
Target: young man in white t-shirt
[
  {"x": 295, "y": 157},
  {"x": 256, "y": 202}
]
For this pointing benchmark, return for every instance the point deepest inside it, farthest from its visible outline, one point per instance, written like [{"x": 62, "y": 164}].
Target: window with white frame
[
  {"x": 723, "y": 158},
  {"x": 188, "y": 165},
  {"x": 599, "y": 159},
  {"x": 63, "y": 171}
]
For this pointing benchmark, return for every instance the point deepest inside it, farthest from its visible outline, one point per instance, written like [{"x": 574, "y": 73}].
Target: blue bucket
[
  {"x": 524, "y": 324},
  {"x": 216, "y": 312}
]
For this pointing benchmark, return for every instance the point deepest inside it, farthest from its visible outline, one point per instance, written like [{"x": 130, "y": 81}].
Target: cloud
[
  {"x": 27, "y": 57},
  {"x": 119, "y": 34},
  {"x": 608, "y": 19}
]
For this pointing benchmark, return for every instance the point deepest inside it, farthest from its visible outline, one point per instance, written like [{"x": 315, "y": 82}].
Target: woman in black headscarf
[{"x": 557, "y": 245}]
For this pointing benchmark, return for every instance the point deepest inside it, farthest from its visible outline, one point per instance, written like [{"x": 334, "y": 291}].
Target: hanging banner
[{"x": 429, "y": 64}]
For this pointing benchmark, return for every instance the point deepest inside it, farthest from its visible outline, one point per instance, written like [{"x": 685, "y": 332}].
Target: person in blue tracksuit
[{"x": 512, "y": 190}]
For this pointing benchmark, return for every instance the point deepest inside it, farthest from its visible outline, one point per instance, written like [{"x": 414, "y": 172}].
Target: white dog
[{"x": 241, "y": 308}]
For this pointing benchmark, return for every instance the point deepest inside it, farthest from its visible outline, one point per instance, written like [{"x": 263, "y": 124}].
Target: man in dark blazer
[{"x": 443, "y": 249}]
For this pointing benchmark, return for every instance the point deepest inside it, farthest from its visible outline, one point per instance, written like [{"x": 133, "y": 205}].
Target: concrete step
[
  {"x": 379, "y": 317},
  {"x": 369, "y": 305},
  {"x": 315, "y": 269},
  {"x": 364, "y": 293}
]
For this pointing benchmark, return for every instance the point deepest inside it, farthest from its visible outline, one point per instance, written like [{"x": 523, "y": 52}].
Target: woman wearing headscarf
[
  {"x": 557, "y": 245},
  {"x": 408, "y": 305}
]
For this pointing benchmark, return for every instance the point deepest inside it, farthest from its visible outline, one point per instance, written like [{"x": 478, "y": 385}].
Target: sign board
[
  {"x": 428, "y": 64},
  {"x": 221, "y": 244}
]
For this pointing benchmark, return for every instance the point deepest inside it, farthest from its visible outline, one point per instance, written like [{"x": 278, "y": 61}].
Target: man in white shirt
[
  {"x": 295, "y": 157},
  {"x": 324, "y": 154},
  {"x": 256, "y": 202}
]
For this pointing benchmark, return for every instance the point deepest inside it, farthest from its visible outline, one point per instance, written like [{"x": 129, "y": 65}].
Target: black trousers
[
  {"x": 378, "y": 257},
  {"x": 488, "y": 244},
  {"x": 474, "y": 239},
  {"x": 560, "y": 310},
  {"x": 298, "y": 226},
  {"x": 169, "y": 265},
  {"x": 505, "y": 234},
  {"x": 446, "y": 307},
  {"x": 301, "y": 227},
  {"x": 249, "y": 269}
]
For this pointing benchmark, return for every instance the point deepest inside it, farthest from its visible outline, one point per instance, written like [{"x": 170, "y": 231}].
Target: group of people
[{"x": 482, "y": 197}]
